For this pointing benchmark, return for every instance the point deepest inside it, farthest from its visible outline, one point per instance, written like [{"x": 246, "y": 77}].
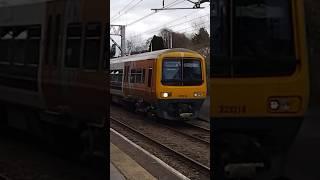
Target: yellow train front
[
  {"x": 260, "y": 85},
  {"x": 169, "y": 84}
]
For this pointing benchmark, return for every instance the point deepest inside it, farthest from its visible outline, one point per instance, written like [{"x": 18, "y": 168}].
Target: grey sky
[
  {"x": 187, "y": 21},
  {"x": 124, "y": 12}
]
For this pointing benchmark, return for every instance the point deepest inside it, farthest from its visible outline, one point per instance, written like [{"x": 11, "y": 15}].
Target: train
[
  {"x": 260, "y": 84},
  {"x": 54, "y": 70},
  {"x": 169, "y": 84}
]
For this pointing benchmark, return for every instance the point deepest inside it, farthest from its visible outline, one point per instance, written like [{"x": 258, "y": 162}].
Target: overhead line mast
[{"x": 197, "y": 5}]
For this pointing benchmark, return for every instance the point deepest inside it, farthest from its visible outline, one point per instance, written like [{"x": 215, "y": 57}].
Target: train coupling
[{"x": 243, "y": 170}]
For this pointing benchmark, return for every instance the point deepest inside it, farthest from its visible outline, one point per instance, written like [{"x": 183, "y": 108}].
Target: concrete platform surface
[
  {"x": 115, "y": 173},
  {"x": 126, "y": 166}
]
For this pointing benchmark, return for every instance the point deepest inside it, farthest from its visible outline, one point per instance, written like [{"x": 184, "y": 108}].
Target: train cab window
[
  {"x": 253, "y": 38},
  {"x": 192, "y": 74},
  {"x": 6, "y": 35},
  {"x": 181, "y": 72},
  {"x": 149, "y": 77},
  {"x": 33, "y": 48},
  {"x": 19, "y": 45},
  {"x": 73, "y": 48},
  {"x": 172, "y": 71},
  {"x": 92, "y": 46}
]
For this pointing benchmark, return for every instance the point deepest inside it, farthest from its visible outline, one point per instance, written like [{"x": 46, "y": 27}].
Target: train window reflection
[
  {"x": 116, "y": 79},
  {"x": 33, "y": 48},
  {"x": 73, "y": 48},
  {"x": 252, "y": 38},
  {"x": 92, "y": 46},
  {"x": 171, "y": 70},
  {"x": 6, "y": 35},
  {"x": 191, "y": 72},
  {"x": 48, "y": 40},
  {"x": 56, "y": 40},
  {"x": 263, "y": 29},
  {"x": 20, "y": 41},
  {"x": 136, "y": 76}
]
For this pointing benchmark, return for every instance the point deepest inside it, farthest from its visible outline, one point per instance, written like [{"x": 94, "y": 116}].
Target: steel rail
[
  {"x": 186, "y": 134},
  {"x": 192, "y": 161}
]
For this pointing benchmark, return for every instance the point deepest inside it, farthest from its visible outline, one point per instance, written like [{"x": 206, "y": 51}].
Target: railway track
[
  {"x": 194, "y": 132},
  {"x": 201, "y": 167},
  {"x": 202, "y": 127}
]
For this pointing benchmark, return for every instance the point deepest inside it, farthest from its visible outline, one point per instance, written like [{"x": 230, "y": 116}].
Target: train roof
[
  {"x": 148, "y": 55},
  {"x": 19, "y": 14}
]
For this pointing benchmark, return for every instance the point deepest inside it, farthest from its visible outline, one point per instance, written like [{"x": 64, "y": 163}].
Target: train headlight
[
  {"x": 197, "y": 94},
  {"x": 274, "y": 105},
  {"x": 284, "y": 104},
  {"x": 165, "y": 94}
]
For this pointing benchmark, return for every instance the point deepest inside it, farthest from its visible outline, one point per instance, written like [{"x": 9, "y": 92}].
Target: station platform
[
  {"x": 135, "y": 163},
  {"x": 123, "y": 167},
  {"x": 115, "y": 173}
]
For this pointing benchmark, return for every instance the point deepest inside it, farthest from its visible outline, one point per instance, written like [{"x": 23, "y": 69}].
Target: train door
[
  {"x": 149, "y": 81},
  {"x": 126, "y": 79},
  {"x": 83, "y": 65},
  {"x": 50, "y": 66}
]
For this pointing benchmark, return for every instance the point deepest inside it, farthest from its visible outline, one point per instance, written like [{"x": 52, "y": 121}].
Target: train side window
[
  {"x": 112, "y": 76},
  {"x": 6, "y": 35},
  {"x": 73, "y": 48},
  {"x": 33, "y": 48},
  {"x": 143, "y": 75},
  {"x": 116, "y": 75},
  {"x": 138, "y": 76},
  {"x": 19, "y": 44},
  {"x": 119, "y": 75},
  {"x": 116, "y": 79},
  {"x": 92, "y": 46},
  {"x": 133, "y": 76},
  {"x": 149, "y": 77}
]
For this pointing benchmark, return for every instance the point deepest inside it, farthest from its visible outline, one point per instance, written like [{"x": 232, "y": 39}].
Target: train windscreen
[
  {"x": 254, "y": 39},
  {"x": 181, "y": 72}
]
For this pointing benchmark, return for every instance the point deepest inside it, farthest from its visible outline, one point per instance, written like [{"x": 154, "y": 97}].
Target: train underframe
[
  {"x": 170, "y": 109},
  {"x": 178, "y": 109},
  {"x": 254, "y": 148},
  {"x": 60, "y": 132}
]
